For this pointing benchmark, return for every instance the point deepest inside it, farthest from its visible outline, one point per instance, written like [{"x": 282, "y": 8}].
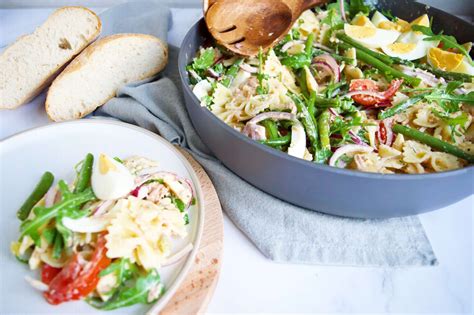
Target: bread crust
[
  {"x": 84, "y": 57},
  {"x": 51, "y": 75}
]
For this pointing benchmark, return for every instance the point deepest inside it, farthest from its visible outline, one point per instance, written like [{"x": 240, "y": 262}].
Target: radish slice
[
  {"x": 347, "y": 149},
  {"x": 178, "y": 256}
]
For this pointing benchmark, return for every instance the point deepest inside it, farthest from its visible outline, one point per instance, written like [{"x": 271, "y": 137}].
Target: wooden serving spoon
[{"x": 243, "y": 26}]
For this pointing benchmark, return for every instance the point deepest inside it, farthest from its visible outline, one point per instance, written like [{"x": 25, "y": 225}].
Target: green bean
[
  {"x": 433, "y": 142},
  {"x": 301, "y": 79},
  {"x": 386, "y": 70},
  {"x": 386, "y": 59},
  {"x": 84, "y": 177},
  {"x": 391, "y": 111},
  {"x": 58, "y": 246},
  {"x": 40, "y": 190},
  {"x": 308, "y": 48},
  {"x": 311, "y": 106},
  {"x": 447, "y": 74},
  {"x": 277, "y": 142},
  {"x": 308, "y": 122},
  {"x": 324, "y": 127},
  {"x": 271, "y": 128}
]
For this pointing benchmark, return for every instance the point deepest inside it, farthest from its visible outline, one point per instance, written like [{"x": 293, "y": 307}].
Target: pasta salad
[
  {"x": 351, "y": 87},
  {"x": 104, "y": 237}
]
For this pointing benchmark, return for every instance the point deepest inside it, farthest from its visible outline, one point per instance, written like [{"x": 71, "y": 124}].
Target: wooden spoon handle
[{"x": 308, "y": 4}]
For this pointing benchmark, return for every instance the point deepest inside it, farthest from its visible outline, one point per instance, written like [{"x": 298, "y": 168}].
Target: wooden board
[{"x": 194, "y": 294}]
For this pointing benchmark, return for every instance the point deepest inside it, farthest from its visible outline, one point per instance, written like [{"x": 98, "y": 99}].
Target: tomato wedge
[
  {"x": 48, "y": 273},
  {"x": 368, "y": 85},
  {"x": 364, "y": 85},
  {"x": 78, "y": 279}
]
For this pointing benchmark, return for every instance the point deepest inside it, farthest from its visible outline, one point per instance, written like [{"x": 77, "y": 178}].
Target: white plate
[{"x": 57, "y": 148}]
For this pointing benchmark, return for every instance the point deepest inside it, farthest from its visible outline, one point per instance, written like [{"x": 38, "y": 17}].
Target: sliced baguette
[
  {"x": 94, "y": 77},
  {"x": 29, "y": 64}
]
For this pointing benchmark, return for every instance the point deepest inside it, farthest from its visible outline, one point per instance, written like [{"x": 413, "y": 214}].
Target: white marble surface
[{"x": 250, "y": 283}]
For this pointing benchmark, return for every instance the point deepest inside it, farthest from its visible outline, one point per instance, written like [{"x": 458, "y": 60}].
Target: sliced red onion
[
  {"x": 333, "y": 112},
  {"x": 102, "y": 208},
  {"x": 50, "y": 197},
  {"x": 323, "y": 68},
  {"x": 178, "y": 256},
  {"x": 427, "y": 77},
  {"x": 346, "y": 149},
  {"x": 165, "y": 176},
  {"x": 248, "y": 68},
  {"x": 357, "y": 139},
  {"x": 290, "y": 44},
  {"x": 323, "y": 47},
  {"x": 271, "y": 115},
  {"x": 148, "y": 171},
  {"x": 331, "y": 63},
  {"x": 212, "y": 73},
  {"x": 194, "y": 75},
  {"x": 342, "y": 9},
  {"x": 256, "y": 132}
]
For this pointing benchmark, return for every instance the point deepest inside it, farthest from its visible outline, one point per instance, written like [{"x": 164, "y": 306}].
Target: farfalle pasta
[{"x": 363, "y": 79}]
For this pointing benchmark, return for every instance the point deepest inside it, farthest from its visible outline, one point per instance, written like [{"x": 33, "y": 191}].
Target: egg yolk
[
  {"x": 442, "y": 59},
  {"x": 388, "y": 25},
  {"x": 360, "y": 32},
  {"x": 402, "y": 48},
  {"x": 404, "y": 25},
  {"x": 105, "y": 165},
  {"x": 361, "y": 20}
]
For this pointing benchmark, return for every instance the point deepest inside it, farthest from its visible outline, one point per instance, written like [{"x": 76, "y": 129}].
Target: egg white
[
  {"x": 116, "y": 182},
  {"x": 373, "y": 37}
]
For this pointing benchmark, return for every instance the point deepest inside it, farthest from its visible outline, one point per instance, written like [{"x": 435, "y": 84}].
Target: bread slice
[
  {"x": 30, "y": 63},
  {"x": 94, "y": 77}
]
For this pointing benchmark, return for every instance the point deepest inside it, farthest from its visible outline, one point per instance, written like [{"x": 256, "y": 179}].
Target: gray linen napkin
[{"x": 283, "y": 232}]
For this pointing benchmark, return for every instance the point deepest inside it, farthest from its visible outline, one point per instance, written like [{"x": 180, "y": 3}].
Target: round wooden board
[{"x": 194, "y": 294}]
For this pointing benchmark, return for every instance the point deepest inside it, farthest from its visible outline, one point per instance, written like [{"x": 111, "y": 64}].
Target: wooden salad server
[{"x": 243, "y": 26}]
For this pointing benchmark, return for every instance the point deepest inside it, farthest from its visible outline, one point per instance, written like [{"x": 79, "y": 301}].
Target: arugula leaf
[
  {"x": 231, "y": 73},
  {"x": 145, "y": 290},
  {"x": 178, "y": 203},
  {"x": 186, "y": 219},
  {"x": 447, "y": 40},
  {"x": 438, "y": 95},
  {"x": 49, "y": 234},
  {"x": 453, "y": 85},
  {"x": 69, "y": 201},
  {"x": 123, "y": 269},
  {"x": 356, "y": 6},
  {"x": 205, "y": 60},
  {"x": 333, "y": 18}
]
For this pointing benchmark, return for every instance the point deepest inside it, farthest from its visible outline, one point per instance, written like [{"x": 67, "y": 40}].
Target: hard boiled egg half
[
  {"x": 111, "y": 179},
  {"x": 449, "y": 61},
  {"x": 370, "y": 36},
  {"x": 411, "y": 45}
]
